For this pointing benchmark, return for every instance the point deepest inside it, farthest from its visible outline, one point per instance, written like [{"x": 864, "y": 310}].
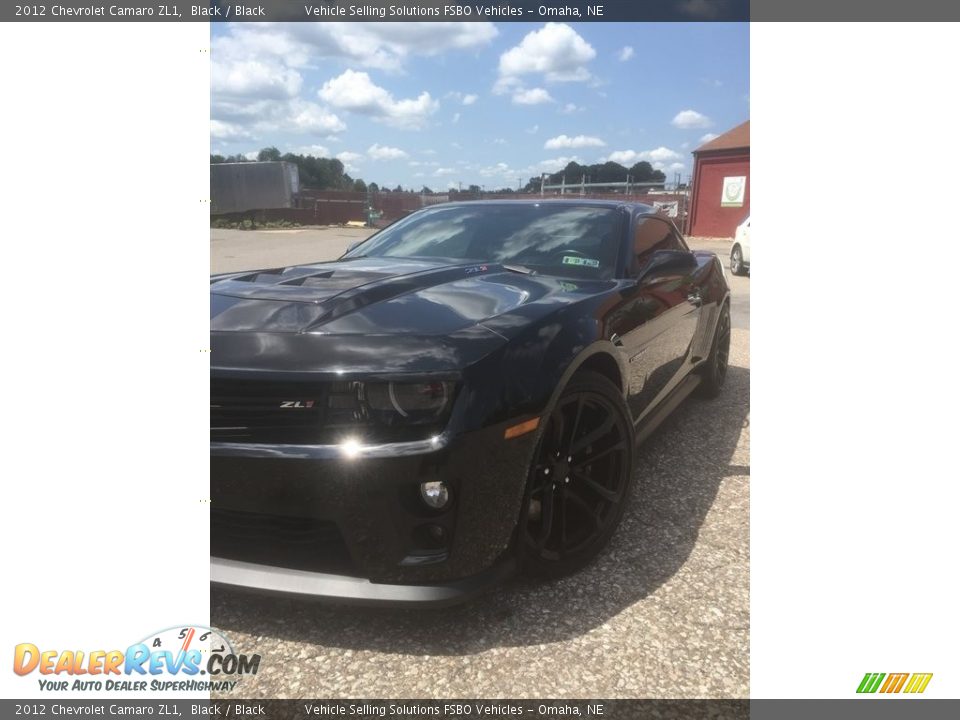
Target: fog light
[{"x": 435, "y": 494}]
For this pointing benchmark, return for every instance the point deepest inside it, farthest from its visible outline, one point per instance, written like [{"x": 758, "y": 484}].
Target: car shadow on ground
[{"x": 680, "y": 470}]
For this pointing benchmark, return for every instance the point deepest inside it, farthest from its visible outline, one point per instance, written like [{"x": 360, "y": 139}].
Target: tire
[
  {"x": 579, "y": 480},
  {"x": 736, "y": 261},
  {"x": 714, "y": 370}
]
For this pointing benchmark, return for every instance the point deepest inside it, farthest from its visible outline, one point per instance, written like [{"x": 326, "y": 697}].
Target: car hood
[
  {"x": 377, "y": 296},
  {"x": 378, "y": 315}
]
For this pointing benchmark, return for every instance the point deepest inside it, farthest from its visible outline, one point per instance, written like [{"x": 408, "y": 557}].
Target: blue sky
[{"x": 438, "y": 104}]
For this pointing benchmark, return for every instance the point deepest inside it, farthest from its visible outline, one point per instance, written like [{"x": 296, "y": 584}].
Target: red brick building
[{"x": 721, "y": 184}]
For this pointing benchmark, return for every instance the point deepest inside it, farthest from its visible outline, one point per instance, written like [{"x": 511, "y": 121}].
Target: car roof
[{"x": 585, "y": 202}]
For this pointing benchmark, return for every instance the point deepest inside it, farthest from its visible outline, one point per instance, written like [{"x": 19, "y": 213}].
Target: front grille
[
  {"x": 296, "y": 543},
  {"x": 307, "y": 413},
  {"x": 243, "y": 411}
]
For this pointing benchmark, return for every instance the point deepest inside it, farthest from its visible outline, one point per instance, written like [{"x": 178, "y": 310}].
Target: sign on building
[{"x": 734, "y": 188}]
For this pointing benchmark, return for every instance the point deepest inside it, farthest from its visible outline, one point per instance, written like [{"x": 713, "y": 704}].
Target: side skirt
[{"x": 652, "y": 421}]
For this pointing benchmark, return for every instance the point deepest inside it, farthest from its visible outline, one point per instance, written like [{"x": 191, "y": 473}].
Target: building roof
[{"x": 735, "y": 139}]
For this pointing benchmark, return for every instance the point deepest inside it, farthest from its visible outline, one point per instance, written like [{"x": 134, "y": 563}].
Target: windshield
[{"x": 552, "y": 239}]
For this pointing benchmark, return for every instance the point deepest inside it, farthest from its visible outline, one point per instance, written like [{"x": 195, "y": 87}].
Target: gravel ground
[{"x": 663, "y": 613}]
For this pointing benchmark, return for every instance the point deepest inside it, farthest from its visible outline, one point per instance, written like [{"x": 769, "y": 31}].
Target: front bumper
[
  {"x": 352, "y": 590},
  {"x": 347, "y": 523}
]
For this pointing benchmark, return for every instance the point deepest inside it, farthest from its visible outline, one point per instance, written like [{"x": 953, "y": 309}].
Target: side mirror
[{"x": 666, "y": 262}]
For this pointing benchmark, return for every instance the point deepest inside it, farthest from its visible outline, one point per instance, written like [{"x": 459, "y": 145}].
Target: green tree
[
  {"x": 268, "y": 154},
  {"x": 359, "y": 185}
]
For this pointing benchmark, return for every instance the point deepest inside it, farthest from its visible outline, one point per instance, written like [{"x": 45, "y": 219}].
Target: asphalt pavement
[{"x": 664, "y": 612}]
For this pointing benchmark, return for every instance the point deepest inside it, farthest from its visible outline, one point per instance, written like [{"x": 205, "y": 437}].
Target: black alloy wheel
[
  {"x": 714, "y": 370},
  {"x": 736, "y": 261},
  {"x": 579, "y": 480}
]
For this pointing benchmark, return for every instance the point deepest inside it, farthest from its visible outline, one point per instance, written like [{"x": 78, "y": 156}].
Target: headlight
[
  {"x": 418, "y": 402},
  {"x": 389, "y": 404}
]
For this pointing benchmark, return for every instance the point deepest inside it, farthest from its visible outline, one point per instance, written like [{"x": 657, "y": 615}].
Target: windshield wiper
[{"x": 518, "y": 269}]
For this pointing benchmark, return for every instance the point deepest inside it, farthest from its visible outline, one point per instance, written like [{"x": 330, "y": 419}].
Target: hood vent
[{"x": 261, "y": 276}]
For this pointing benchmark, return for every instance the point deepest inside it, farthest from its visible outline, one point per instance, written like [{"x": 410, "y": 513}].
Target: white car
[{"x": 740, "y": 251}]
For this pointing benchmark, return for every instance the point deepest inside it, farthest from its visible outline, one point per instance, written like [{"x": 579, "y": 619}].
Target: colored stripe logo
[{"x": 894, "y": 682}]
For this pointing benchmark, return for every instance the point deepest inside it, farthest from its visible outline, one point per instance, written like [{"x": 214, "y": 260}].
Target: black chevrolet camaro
[{"x": 457, "y": 398}]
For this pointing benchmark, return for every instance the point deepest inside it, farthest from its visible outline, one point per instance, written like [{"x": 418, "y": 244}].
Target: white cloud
[
  {"x": 385, "y": 46},
  {"x": 456, "y": 118},
  {"x": 501, "y": 169},
  {"x": 555, "y": 51},
  {"x": 552, "y": 165},
  {"x": 687, "y": 119},
  {"x": 470, "y": 99},
  {"x": 440, "y": 172},
  {"x": 569, "y": 109},
  {"x": 256, "y": 81},
  {"x": 249, "y": 97},
  {"x": 533, "y": 96},
  {"x": 580, "y": 141},
  {"x": 708, "y": 137},
  {"x": 315, "y": 150},
  {"x": 309, "y": 117},
  {"x": 382, "y": 152},
  {"x": 226, "y": 131},
  {"x": 625, "y": 53},
  {"x": 272, "y": 116},
  {"x": 656, "y": 156},
  {"x": 505, "y": 85},
  {"x": 349, "y": 157},
  {"x": 356, "y": 92},
  {"x": 533, "y": 130},
  {"x": 263, "y": 79}
]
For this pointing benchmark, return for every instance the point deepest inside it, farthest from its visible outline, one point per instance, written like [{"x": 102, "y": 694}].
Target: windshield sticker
[{"x": 581, "y": 261}]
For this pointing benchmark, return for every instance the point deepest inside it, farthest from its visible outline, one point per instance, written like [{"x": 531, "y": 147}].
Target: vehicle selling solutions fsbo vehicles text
[{"x": 461, "y": 11}]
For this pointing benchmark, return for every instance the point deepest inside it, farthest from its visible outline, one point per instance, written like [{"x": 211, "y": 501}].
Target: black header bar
[
  {"x": 380, "y": 11},
  {"x": 480, "y": 11},
  {"x": 467, "y": 709}
]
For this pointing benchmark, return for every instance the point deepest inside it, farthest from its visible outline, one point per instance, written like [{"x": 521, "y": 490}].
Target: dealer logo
[{"x": 181, "y": 658}]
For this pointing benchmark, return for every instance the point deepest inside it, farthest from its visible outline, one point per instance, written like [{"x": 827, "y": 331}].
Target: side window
[{"x": 652, "y": 235}]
